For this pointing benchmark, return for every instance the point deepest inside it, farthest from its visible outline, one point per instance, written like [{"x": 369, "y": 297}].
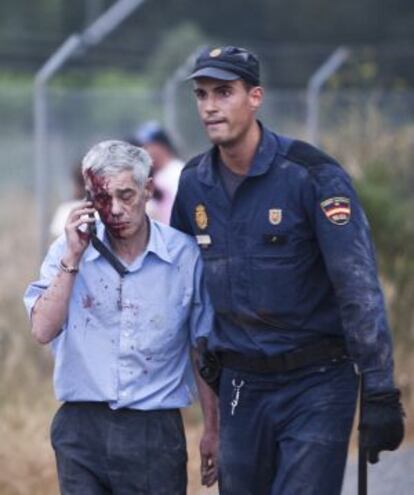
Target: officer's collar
[{"x": 265, "y": 153}]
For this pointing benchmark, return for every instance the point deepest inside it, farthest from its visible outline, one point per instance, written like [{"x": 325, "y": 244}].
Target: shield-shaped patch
[
  {"x": 337, "y": 209},
  {"x": 201, "y": 217},
  {"x": 275, "y": 216}
]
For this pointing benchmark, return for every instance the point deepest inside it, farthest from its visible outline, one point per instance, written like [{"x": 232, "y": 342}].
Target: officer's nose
[{"x": 210, "y": 105}]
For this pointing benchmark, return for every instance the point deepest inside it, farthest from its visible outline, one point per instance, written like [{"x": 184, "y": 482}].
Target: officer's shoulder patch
[
  {"x": 337, "y": 209},
  {"x": 308, "y": 156}
]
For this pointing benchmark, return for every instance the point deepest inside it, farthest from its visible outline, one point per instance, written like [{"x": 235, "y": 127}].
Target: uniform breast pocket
[
  {"x": 217, "y": 279},
  {"x": 274, "y": 286}
]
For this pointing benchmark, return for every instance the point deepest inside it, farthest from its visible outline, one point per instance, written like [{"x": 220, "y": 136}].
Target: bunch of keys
[{"x": 236, "y": 394}]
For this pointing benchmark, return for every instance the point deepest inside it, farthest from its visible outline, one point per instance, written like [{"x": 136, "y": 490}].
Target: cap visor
[{"x": 213, "y": 73}]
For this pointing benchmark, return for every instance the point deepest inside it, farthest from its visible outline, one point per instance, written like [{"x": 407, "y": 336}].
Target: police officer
[{"x": 292, "y": 274}]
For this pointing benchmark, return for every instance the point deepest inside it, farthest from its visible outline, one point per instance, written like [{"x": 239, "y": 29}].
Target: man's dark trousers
[
  {"x": 123, "y": 452},
  {"x": 286, "y": 433}
]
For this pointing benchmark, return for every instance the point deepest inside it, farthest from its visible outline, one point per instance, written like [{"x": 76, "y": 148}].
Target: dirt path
[{"x": 393, "y": 475}]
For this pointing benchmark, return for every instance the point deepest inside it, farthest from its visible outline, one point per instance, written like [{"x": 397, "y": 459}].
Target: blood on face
[{"x": 102, "y": 200}]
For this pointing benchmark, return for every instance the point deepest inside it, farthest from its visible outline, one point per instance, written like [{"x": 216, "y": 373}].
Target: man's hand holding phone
[
  {"x": 79, "y": 225},
  {"x": 91, "y": 228}
]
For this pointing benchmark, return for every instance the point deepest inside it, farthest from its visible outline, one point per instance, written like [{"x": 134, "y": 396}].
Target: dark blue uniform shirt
[{"x": 289, "y": 259}]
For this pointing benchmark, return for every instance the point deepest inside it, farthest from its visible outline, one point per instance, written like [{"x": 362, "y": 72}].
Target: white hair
[{"x": 112, "y": 157}]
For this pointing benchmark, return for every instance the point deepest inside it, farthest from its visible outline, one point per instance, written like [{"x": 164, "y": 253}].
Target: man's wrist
[
  {"x": 73, "y": 270},
  {"x": 211, "y": 425},
  {"x": 69, "y": 264},
  {"x": 71, "y": 260}
]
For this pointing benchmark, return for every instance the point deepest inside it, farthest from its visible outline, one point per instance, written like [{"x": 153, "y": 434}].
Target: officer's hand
[
  {"x": 209, "y": 457},
  {"x": 77, "y": 239},
  {"x": 382, "y": 425}
]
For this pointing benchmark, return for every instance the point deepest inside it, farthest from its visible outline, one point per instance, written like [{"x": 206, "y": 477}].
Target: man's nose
[
  {"x": 116, "y": 208},
  {"x": 210, "y": 105}
]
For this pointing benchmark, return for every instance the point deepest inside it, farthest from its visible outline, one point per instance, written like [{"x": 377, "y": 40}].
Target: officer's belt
[{"x": 325, "y": 350}]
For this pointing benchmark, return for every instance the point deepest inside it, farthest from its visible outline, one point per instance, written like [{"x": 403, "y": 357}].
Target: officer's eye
[
  {"x": 224, "y": 91},
  {"x": 199, "y": 94}
]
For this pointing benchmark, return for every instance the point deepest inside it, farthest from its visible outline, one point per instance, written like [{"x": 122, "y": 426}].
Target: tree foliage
[{"x": 386, "y": 192}]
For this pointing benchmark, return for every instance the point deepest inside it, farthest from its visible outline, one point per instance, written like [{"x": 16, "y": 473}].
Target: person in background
[
  {"x": 123, "y": 305},
  {"x": 166, "y": 170},
  {"x": 291, "y": 271},
  {"x": 57, "y": 225}
]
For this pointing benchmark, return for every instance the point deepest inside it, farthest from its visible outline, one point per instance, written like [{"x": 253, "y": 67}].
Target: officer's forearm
[
  {"x": 366, "y": 331},
  {"x": 50, "y": 310}
]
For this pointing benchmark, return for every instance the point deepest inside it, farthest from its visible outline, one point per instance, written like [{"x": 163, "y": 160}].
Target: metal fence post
[
  {"x": 42, "y": 185},
  {"x": 318, "y": 79},
  {"x": 93, "y": 35},
  {"x": 170, "y": 95}
]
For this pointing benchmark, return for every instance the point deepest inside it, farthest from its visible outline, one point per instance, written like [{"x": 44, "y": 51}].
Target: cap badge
[
  {"x": 201, "y": 217},
  {"x": 215, "y": 53},
  {"x": 275, "y": 216}
]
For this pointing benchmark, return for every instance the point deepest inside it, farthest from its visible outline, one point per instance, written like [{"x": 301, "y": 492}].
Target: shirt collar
[
  {"x": 156, "y": 244},
  {"x": 264, "y": 156}
]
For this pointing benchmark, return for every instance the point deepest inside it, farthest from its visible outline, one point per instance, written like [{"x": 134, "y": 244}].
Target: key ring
[{"x": 239, "y": 386}]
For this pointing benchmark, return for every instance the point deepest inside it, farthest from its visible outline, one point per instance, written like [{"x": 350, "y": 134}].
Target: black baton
[{"x": 362, "y": 453}]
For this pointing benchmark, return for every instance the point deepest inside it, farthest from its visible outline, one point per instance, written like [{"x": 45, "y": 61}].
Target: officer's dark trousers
[
  {"x": 124, "y": 452},
  {"x": 289, "y": 432}
]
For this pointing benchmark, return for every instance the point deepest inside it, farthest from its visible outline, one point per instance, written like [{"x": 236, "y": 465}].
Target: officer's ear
[
  {"x": 255, "y": 97},
  {"x": 149, "y": 188}
]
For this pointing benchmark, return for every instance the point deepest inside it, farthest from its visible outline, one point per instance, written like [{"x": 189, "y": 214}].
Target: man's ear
[
  {"x": 256, "y": 97},
  {"x": 149, "y": 188}
]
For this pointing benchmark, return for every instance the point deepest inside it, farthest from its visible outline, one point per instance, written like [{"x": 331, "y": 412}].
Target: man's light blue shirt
[{"x": 127, "y": 341}]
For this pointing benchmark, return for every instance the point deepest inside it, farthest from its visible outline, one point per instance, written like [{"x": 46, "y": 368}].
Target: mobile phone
[{"x": 91, "y": 226}]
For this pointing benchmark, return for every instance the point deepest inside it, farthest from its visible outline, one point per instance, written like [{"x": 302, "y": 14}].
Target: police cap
[{"x": 228, "y": 64}]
